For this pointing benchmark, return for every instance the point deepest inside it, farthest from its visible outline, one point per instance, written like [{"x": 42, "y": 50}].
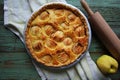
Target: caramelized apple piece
[
  {"x": 71, "y": 17},
  {"x": 46, "y": 58},
  {"x": 76, "y": 22},
  {"x": 83, "y": 41},
  {"x": 37, "y": 46},
  {"x": 35, "y": 30},
  {"x": 65, "y": 25},
  {"x": 67, "y": 41},
  {"x": 49, "y": 29},
  {"x": 44, "y": 15},
  {"x": 59, "y": 12},
  {"x": 58, "y": 36},
  {"x": 62, "y": 56},
  {"x": 51, "y": 43},
  {"x": 80, "y": 31},
  {"x": 77, "y": 48}
]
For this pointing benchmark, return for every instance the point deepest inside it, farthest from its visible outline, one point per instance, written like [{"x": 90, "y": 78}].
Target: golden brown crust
[{"x": 56, "y": 36}]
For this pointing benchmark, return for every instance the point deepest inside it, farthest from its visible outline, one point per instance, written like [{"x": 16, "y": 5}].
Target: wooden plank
[
  {"x": 103, "y": 3},
  {"x": 16, "y": 63},
  {"x": 19, "y": 72},
  {"x": 2, "y": 2},
  {"x": 96, "y": 3},
  {"x": 13, "y": 44},
  {"x": 1, "y": 12}
]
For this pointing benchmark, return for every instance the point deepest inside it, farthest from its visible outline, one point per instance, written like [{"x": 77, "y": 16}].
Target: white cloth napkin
[{"x": 17, "y": 12}]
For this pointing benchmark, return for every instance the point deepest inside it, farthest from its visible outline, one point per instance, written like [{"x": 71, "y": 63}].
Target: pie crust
[{"x": 56, "y": 35}]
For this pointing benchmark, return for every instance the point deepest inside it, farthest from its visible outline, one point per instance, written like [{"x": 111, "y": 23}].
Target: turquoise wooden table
[{"x": 15, "y": 64}]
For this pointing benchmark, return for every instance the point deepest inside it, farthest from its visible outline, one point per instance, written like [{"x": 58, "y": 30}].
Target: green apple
[{"x": 107, "y": 64}]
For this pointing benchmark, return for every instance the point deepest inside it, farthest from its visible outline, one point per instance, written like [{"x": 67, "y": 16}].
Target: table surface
[{"x": 15, "y": 64}]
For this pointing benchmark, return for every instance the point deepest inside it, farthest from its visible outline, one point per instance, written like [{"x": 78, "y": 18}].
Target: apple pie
[{"x": 56, "y": 35}]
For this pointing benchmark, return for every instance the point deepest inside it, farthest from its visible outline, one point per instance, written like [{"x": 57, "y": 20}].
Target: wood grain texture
[{"x": 15, "y": 63}]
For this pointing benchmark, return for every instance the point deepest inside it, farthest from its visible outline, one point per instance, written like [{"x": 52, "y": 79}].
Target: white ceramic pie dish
[{"x": 89, "y": 32}]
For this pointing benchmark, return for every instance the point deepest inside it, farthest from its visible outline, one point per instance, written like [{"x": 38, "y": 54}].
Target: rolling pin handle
[{"x": 86, "y": 7}]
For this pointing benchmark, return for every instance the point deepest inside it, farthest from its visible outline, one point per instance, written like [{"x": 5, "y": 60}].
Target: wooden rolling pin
[{"x": 103, "y": 31}]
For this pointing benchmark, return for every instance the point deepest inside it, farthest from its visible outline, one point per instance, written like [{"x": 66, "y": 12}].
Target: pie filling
[{"x": 56, "y": 36}]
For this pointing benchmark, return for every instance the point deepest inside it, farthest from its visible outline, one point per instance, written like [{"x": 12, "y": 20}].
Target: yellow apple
[{"x": 107, "y": 64}]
